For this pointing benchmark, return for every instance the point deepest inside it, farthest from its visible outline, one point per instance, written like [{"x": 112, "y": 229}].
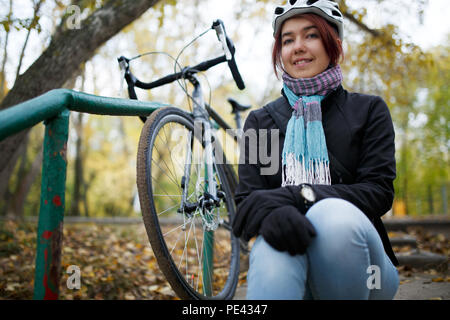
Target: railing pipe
[
  {"x": 52, "y": 103},
  {"x": 54, "y": 108}
]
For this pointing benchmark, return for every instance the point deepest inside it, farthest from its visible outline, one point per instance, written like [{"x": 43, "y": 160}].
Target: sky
[
  {"x": 253, "y": 49},
  {"x": 255, "y": 52},
  {"x": 433, "y": 31},
  {"x": 436, "y": 22}
]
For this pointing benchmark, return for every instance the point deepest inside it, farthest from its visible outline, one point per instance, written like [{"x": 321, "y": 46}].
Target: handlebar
[
  {"x": 187, "y": 72},
  {"x": 229, "y": 49}
]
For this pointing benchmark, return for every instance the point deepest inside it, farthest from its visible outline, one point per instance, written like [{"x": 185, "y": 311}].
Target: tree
[{"x": 69, "y": 47}]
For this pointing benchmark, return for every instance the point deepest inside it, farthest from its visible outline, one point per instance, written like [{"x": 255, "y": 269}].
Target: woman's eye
[
  {"x": 312, "y": 36},
  {"x": 287, "y": 41}
]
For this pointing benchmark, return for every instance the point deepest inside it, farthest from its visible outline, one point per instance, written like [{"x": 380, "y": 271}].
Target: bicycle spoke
[
  {"x": 160, "y": 213},
  {"x": 174, "y": 175},
  {"x": 184, "y": 249},
  {"x": 172, "y": 230},
  {"x": 175, "y": 182},
  {"x": 156, "y": 183},
  {"x": 171, "y": 158},
  {"x": 174, "y": 246},
  {"x": 167, "y": 143}
]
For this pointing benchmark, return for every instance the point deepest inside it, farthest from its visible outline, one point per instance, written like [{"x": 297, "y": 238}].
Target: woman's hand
[
  {"x": 286, "y": 229},
  {"x": 260, "y": 203}
]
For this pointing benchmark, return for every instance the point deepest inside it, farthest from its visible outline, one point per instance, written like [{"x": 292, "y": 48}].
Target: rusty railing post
[{"x": 51, "y": 213}]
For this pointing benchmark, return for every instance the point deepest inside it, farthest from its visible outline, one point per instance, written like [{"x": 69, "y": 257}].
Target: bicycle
[{"x": 186, "y": 193}]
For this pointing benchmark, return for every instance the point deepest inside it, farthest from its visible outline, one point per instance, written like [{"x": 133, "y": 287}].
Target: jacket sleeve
[
  {"x": 372, "y": 190},
  {"x": 249, "y": 168}
]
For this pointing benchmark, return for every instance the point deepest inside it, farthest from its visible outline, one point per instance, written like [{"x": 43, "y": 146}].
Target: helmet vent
[
  {"x": 279, "y": 10},
  {"x": 336, "y": 13},
  {"x": 292, "y": 2},
  {"x": 310, "y": 2}
]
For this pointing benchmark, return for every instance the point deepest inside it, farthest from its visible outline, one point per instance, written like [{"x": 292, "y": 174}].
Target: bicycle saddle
[{"x": 236, "y": 106}]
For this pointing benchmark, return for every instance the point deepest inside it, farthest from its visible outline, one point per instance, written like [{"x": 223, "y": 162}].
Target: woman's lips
[{"x": 302, "y": 62}]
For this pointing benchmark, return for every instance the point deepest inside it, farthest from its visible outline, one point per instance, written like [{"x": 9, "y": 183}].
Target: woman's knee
[
  {"x": 334, "y": 211},
  {"x": 336, "y": 218}
]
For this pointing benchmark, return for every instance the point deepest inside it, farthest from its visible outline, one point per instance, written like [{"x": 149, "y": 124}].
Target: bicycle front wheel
[{"x": 192, "y": 241}]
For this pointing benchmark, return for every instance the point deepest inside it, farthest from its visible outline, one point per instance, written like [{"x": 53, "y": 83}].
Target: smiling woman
[
  {"x": 308, "y": 46},
  {"x": 317, "y": 220}
]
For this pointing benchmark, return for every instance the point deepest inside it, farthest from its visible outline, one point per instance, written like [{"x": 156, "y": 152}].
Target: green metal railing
[{"x": 54, "y": 109}]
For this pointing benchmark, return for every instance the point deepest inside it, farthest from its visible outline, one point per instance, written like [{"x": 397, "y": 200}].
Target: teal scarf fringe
[{"x": 305, "y": 153}]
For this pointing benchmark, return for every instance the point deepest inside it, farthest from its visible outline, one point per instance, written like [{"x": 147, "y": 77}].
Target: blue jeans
[{"x": 346, "y": 260}]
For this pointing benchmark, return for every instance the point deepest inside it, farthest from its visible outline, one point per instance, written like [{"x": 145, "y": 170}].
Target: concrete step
[
  {"x": 422, "y": 260},
  {"x": 408, "y": 254},
  {"x": 434, "y": 224},
  {"x": 403, "y": 241}
]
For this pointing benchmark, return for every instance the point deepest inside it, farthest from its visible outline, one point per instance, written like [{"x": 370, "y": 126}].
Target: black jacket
[{"x": 360, "y": 140}]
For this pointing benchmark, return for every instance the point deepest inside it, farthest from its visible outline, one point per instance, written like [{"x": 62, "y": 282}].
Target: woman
[{"x": 317, "y": 220}]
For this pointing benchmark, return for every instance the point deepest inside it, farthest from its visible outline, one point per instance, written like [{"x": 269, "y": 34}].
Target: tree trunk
[
  {"x": 5, "y": 54},
  {"x": 444, "y": 198},
  {"x": 10, "y": 196},
  {"x": 403, "y": 172},
  {"x": 78, "y": 172},
  {"x": 18, "y": 201},
  {"x": 430, "y": 200},
  {"x": 67, "y": 50}
]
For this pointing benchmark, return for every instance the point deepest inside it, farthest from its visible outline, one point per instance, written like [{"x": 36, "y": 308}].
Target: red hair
[{"x": 328, "y": 34}]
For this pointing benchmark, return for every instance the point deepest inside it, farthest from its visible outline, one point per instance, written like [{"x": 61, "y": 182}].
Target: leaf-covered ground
[
  {"x": 426, "y": 241},
  {"x": 116, "y": 262}
]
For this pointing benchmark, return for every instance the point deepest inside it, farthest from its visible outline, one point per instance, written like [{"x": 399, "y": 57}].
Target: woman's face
[{"x": 302, "y": 51}]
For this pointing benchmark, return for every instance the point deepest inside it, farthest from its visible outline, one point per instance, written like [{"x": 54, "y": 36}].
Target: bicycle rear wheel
[{"x": 193, "y": 244}]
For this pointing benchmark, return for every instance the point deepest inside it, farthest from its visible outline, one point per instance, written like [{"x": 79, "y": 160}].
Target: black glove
[
  {"x": 252, "y": 211},
  {"x": 286, "y": 229}
]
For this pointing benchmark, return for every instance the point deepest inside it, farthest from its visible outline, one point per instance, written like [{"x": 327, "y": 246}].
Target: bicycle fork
[
  {"x": 209, "y": 201},
  {"x": 203, "y": 133}
]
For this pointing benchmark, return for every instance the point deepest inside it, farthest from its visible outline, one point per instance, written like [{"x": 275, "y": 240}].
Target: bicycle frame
[{"x": 201, "y": 119}]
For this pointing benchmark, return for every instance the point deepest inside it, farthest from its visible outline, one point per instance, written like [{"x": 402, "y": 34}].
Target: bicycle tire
[{"x": 153, "y": 207}]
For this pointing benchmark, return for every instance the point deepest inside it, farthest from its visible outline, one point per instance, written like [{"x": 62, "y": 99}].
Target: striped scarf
[{"x": 305, "y": 154}]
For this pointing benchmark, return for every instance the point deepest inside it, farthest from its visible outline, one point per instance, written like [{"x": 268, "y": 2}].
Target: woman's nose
[{"x": 299, "y": 45}]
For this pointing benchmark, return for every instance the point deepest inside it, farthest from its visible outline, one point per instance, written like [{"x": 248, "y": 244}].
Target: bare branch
[
  {"x": 362, "y": 26},
  {"x": 33, "y": 22}
]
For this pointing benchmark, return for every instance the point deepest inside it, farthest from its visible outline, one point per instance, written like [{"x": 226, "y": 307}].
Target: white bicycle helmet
[{"x": 329, "y": 10}]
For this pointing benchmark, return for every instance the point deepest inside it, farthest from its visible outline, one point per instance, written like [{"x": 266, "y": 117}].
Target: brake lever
[
  {"x": 123, "y": 63},
  {"x": 123, "y": 66},
  {"x": 222, "y": 36}
]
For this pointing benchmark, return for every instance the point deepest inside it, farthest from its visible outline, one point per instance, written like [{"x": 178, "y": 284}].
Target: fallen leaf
[{"x": 129, "y": 296}]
